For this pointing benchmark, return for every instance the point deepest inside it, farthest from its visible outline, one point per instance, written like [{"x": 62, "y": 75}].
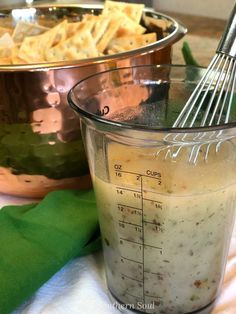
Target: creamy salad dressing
[{"x": 166, "y": 226}]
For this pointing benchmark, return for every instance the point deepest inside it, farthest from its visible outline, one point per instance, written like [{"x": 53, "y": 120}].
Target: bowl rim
[
  {"x": 177, "y": 34},
  {"x": 130, "y": 126}
]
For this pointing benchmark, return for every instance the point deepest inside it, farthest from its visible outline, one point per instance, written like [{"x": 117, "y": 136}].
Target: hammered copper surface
[{"x": 40, "y": 141}]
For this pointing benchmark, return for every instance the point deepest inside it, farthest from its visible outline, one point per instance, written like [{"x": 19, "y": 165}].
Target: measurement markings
[
  {"x": 131, "y": 241},
  {"x": 149, "y": 272},
  {"x": 127, "y": 206},
  {"x": 138, "y": 174},
  {"x": 126, "y": 189},
  {"x": 128, "y": 277},
  {"x": 152, "y": 223},
  {"x": 152, "y": 296},
  {"x": 143, "y": 254},
  {"x": 154, "y": 247},
  {"x": 150, "y": 200},
  {"x": 131, "y": 260},
  {"x": 129, "y": 223},
  {"x": 134, "y": 296}
]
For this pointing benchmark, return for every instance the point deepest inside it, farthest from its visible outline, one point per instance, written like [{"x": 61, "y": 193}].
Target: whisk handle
[{"x": 227, "y": 43}]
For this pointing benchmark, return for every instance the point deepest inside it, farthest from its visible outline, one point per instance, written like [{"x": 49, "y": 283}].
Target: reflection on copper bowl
[{"x": 41, "y": 147}]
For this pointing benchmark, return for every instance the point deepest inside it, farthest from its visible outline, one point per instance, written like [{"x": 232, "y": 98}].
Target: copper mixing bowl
[{"x": 40, "y": 141}]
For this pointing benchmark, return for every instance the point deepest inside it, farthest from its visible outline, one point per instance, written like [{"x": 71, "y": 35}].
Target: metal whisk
[
  {"x": 220, "y": 79},
  {"x": 211, "y": 101}
]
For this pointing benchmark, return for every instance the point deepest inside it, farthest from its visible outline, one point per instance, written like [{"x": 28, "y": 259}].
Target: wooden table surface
[{"x": 203, "y": 37}]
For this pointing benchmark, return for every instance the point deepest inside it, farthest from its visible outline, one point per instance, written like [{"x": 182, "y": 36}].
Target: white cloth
[{"x": 80, "y": 287}]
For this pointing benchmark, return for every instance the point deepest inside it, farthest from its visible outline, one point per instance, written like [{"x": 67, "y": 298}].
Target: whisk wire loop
[
  {"x": 226, "y": 67},
  {"x": 190, "y": 104},
  {"x": 216, "y": 85},
  {"x": 231, "y": 86}
]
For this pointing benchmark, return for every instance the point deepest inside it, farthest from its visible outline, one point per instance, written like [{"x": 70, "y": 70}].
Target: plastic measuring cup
[{"x": 166, "y": 219}]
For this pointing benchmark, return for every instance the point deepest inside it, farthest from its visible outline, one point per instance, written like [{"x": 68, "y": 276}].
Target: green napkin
[{"x": 37, "y": 240}]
